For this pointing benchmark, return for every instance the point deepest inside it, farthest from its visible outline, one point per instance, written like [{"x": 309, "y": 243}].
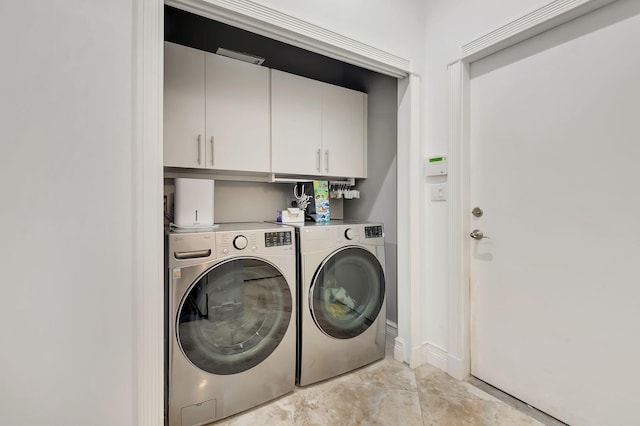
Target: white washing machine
[
  {"x": 231, "y": 328},
  {"x": 342, "y": 315}
]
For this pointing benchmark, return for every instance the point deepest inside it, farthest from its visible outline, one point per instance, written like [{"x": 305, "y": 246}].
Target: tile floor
[{"x": 387, "y": 392}]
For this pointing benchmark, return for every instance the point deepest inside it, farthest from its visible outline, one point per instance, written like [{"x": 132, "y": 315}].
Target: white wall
[
  {"x": 378, "y": 200},
  {"x": 393, "y": 26},
  {"x": 65, "y": 162},
  {"x": 236, "y": 201},
  {"x": 66, "y": 310},
  {"x": 449, "y": 25}
]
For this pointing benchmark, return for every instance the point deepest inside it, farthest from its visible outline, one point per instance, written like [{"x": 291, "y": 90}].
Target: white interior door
[{"x": 555, "y": 145}]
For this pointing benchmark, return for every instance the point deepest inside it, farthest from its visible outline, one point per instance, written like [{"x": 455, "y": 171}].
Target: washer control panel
[
  {"x": 232, "y": 242},
  {"x": 278, "y": 238},
  {"x": 243, "y": 239},
  {"x": 373, "y": 231}
]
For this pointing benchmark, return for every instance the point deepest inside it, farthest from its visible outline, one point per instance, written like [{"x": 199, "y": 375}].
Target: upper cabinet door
[
  {"x": 344, "y": 132},
  {"x": 317, "y": 129},
  {"x": 237, "y": 115},
  {"x": 296, "y": 120},
  {"x": 184, "y": 106},
  {"x": 225, "y": 114}
]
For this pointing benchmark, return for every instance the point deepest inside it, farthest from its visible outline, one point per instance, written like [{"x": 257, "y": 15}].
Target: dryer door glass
[
  {"x": 347, "y": 292},
  {"x": 234, "y": 316}
]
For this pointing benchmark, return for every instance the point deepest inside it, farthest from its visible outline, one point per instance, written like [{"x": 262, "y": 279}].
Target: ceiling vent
[{"x": 246, "y": 57}]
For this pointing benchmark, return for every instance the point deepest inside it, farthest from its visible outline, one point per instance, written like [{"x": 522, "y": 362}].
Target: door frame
[
  {"x": 147, "y": 170},
  {"x": 543, "y": 19}
]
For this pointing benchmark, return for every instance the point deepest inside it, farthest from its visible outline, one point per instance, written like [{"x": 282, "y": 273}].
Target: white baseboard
[
  {"x": 435, "y": 356},
  {"x": 398, "y": 343},
  {"x": 457, "y": 368},
  {"x": 425, "y": 353},
  {"x": 399, "y": 350},
  {"x": 392, "y": 330}
]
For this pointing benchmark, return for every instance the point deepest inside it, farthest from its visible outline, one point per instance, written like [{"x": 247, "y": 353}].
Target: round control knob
[
  {"x": 349, "y": 234},
  {"x": 240, "y": 242}
]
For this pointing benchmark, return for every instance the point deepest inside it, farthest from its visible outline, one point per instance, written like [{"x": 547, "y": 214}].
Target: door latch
[{"x": 477, "y": 234}]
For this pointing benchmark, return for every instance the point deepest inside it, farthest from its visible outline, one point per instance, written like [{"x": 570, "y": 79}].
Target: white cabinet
[
  {"x": 238, "y": 121},
  {"x": 184, "y": 106},
  {"x": 296, "y": 124},
  {"x": 317, "y": 129},
  {"x": 216, "y": 112},
  {"x": 344, "y": 140},
  {"x": 225, "y": 114}
]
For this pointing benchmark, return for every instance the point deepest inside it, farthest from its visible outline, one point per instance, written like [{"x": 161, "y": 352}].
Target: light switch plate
[{"x": 438, "y": 192}]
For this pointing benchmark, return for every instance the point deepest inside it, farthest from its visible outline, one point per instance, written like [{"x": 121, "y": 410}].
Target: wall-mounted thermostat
[{"x": 435, "y": 166}]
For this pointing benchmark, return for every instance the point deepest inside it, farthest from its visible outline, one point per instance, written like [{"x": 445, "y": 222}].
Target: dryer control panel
[
  {"x": 279, "y": 238},
  {"x": 373, "y": 231}
]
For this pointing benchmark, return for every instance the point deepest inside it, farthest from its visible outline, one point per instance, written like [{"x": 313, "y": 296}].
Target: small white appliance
[{"x": 193, "y": 203}]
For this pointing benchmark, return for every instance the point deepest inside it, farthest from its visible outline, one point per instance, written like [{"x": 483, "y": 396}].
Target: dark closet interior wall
[{"x": 206, "y": 34}]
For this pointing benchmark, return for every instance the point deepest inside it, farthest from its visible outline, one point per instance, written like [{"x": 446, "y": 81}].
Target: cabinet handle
[
  {"x": 199, "y": 148},
  {"x": 326, "y": 160},
  {"x": 212, "y": 150},
  {"x": 318, "y": 160}
]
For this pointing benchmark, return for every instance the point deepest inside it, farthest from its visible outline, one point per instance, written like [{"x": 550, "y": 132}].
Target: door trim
[
  {"x": 147, "y": 170},
  {"x": 545, "y": 18},
  {"x": 147, "y": 212}
]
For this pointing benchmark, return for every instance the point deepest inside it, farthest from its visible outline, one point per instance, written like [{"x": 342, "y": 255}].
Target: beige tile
[
  {"x": 339, "y": 402},
  {"x": 277, "y": 412},
  {"x": 386, "y": 392},
  {"x": 446, "y": 410},
  {"x": 431, "y": 380},
  {"x": 387, "y": 373}
]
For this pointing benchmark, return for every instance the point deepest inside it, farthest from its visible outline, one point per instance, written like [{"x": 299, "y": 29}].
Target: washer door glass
[
  {"x": 234, "y": 316},
  {"x": 347, "y": 292}
]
